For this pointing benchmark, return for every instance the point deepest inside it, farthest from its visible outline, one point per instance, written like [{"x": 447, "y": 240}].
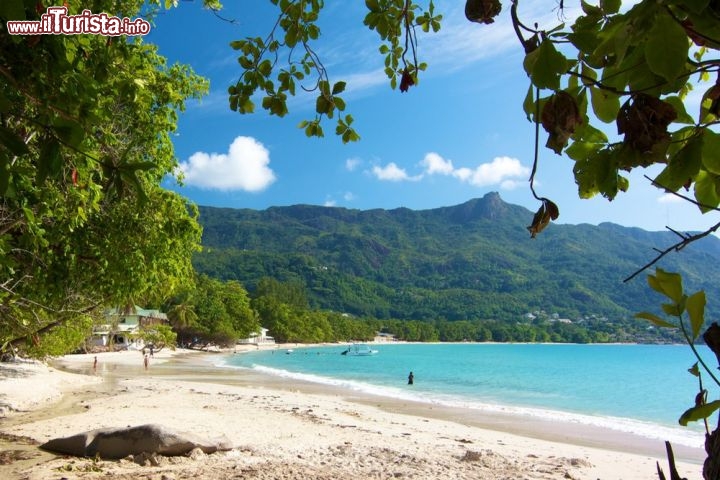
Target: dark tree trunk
[{"x": 711, "y": 467}]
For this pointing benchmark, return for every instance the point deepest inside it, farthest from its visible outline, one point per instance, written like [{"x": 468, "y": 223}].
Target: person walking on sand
[
  {"x": 95, "y": 363},
  {"x": 411, "y": 378},
  {"x": 146, "y": 361}
]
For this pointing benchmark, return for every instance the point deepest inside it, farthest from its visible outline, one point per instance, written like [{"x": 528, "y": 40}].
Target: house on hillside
[
  {"x": 121, "y": 327},
  {"x": 382, "y": 337},
  {"x": 257, "y": 338}
]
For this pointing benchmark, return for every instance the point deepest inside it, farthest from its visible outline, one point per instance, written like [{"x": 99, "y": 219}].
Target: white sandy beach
[{"x": 276, "y": 433}]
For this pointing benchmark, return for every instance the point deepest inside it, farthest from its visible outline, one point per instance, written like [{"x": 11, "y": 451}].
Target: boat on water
[{"x": 359, "y": 350}]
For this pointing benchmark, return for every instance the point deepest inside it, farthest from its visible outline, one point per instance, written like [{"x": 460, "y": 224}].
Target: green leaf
[
  {"x": 590, "y": 172},
  {"x": 29, "y": 215},
  {"x": 339, "y": 87},
  {"x": 673, "y": 309},
  {"x": 322, "y": 105},
  {"x": 610, "y": 6},
  {"x": 372, "y": 5},
  {"x": 529, "y": 103},
  {"x": 313, "y": 32},
  {"x": 245, "y": 63},
  {"x": 588, "y": 75},
  {"x": 695, "y": 306},
  {"x": 49, "y": 162},
  {"x": 666, "y": 49},
  {"x": 247, "y": 106},
  {"x": 711, "y": 151},
  {"x": 707, "y": 186},
  {"x": 694, "y": 370},
  {"x": 4, "y": 173},
  {"x": 548, "y": 66},
  {"x": 695, "y": 6},
  {"x": 679, "y": 106},
  {"x": 668, "y": 284},
  {"x": 69, "y": 131},
  {"x": 588, "y": 133},
  {"x": 278, "y": 107},
  {"x": 12, "y": 142},
  {"x": 707, "y": 112},
  {"x": 613, "y": 46},
  {"x": 12, "y": 10},
  {"x": 579, "y": 150},
  {"x": 590, "y": 10},
  {"x": 699, "y": 412},
  {"x": 265, "y": 67},
  {"x": 598, "y": 173},
  {"x": 5, "y": 103},
  {"x": 291, "y": 37},
  {"x": 683, "y": 166},
  {"x": 655, "y": 319},
  {"x": 606, "y": 105}
]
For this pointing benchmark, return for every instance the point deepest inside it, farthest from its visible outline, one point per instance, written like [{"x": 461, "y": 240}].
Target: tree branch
[
  {"x": 686, "y": 240},
  {"x": 537, "y": 144},
  {"x": 679, "y": 195}
]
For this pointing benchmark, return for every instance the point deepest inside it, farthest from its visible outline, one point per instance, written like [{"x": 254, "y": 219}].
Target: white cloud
[
  {"x": 244, "y": 167},
  {"x": 352, "y": 163},
  {"x": 364, "y": 80},
  {"x": 506, "y": 172},
  {"x": 498, "y": 171},
  {"x": 331, "y": 202},
  {"x": 501, "y": 171},
  {"x": 510, "y": 184},
  {"x": 462, "y": 173},
  {"x": 434, "y": 163},
  {"x": 670, "y": 198},
  {"x": 392, "y": 173}
]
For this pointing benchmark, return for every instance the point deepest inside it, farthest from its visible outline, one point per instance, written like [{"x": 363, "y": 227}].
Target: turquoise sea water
[{"x": 634, "y": 388}]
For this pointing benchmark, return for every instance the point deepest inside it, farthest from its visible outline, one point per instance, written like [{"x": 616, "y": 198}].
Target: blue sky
[{"x": 458, "y": 135}]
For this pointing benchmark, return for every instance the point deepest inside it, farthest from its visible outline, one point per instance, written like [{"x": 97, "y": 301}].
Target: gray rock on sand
[{"x": 115, "y": 443}]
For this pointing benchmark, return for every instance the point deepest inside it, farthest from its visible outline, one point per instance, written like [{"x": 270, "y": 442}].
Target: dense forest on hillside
[{"x": 473, "y": 261}]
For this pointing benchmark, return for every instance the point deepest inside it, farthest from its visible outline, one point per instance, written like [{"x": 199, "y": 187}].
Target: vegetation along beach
[{"x": 294, "y": 239}]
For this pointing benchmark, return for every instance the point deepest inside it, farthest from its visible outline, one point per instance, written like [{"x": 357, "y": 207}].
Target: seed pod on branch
[
  {"x": 560, "y": 116},
  {"x": 547, "y": 211},
  {"x": 482, "y": 11},
  {"x": 644, "y": 122},
  {"x": 406, "y": 81},
  {"x": 712, "y": 339}
]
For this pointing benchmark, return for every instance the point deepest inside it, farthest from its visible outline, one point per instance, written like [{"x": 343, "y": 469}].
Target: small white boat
[
  {"x": 289, "y": 351},
  {"x": 359, "y": 350}
]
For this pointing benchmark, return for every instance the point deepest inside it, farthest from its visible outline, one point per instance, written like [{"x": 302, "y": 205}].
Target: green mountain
[{"x": 470, "y": 261}]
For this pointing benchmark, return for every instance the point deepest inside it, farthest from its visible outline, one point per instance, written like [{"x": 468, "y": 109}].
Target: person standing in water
[{"x": 411, "y": 378}]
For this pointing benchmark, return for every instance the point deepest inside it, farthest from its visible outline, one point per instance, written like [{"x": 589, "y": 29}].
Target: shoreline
[
  {"x": 647, "y": 437},
  {"x": 320, "y": 422},
  {"x": 558, "y": 426}
]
